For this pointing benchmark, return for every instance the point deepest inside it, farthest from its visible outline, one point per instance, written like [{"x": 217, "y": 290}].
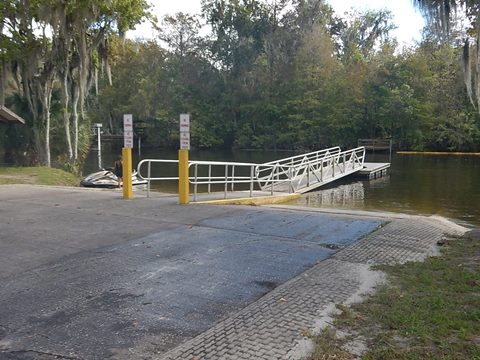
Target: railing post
[
  {"x": 251, "y": 180},
  {"x": 308, "y": 175},
  {"x": 290, "y": 184},
  {"x": 344, "y": 163},
  {"x": 149, "y": 176},
  {"x": 196, "y": 183},
  {"x": 390, "y": 150},
  {"x": 226, "y": 182},
  {"x": 273, "y": 177},
  {"x": 233, "y": 177},
  {"x": 209, "y": 177},
  {"x": 321, "y": 171}
]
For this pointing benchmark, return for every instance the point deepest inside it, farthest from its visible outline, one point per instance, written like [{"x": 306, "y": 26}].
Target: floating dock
[{"x": 373, "y": 170}]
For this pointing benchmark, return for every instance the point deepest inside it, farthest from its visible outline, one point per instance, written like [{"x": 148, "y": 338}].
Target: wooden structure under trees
[
  {"x": 9, "y": 117},
  {"x": 375, "y": 144}
]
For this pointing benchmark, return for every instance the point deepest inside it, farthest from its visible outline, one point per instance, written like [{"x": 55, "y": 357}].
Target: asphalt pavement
[{"x": 85, "y": 274}]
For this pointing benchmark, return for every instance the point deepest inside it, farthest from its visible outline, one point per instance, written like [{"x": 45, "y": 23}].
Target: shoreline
[{"x": 438, "y": 153}]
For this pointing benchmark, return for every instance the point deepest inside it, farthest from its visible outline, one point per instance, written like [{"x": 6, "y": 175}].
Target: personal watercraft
[{"x": 107, "y": 179}]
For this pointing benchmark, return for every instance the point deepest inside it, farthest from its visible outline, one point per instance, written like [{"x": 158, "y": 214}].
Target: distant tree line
[{"x": 285, "y": 74}]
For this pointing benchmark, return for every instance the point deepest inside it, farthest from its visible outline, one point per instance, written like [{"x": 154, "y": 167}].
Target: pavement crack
[
  {"x": 275, "y": 237},
  {"x": 45, "y": 353}
]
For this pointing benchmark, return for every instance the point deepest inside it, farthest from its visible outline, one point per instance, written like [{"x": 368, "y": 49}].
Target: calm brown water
[{"x": 418, "y": 184}]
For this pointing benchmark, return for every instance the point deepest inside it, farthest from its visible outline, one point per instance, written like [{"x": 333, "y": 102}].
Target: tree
[
  {"x": 440, "y": 15},
  {"x": 71, "y": 54},
  {"x": 362, "y": 33}
]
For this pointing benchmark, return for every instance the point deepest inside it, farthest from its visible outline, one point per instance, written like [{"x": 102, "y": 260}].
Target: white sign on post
[
  {"x": 185, "y": 136},
  {"x": 128, "y": 130},
  {"x": 184, "y": 131},
  {"x": 184, "y": 122},
  {"x": 128, "y": 139}
]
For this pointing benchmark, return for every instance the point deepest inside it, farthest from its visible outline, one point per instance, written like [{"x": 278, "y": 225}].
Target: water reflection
[
  {"x": 379, "y": 183},
  {"x": 351, "y": 195},
  {"x": 345, "y": 195}
]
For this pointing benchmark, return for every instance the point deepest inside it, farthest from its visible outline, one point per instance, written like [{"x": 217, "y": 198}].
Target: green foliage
[
  {"x": 286, "y": 74},
  {"x": 51, "y": 51}
]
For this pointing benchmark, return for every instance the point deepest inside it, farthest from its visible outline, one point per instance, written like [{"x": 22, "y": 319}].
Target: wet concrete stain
[
  {"x": 332, "y": 246},
  {"x": 56, "y": 318},
  {"x": 270, "y": 285},
  {"x": 162, "y": 288}
]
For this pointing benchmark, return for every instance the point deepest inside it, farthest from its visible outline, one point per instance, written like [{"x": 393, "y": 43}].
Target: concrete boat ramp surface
[{"x": 85, "y": 274}]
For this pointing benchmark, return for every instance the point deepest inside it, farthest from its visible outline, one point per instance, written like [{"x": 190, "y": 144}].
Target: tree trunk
[
  {"x": 46, "y": 116},
  {"x": 47, "y": 100},
  {"x": 76, "y": 96},
  {"x": 3, "y": 81},
  {"x": 110, "y": 122},
  {"x": 66, "y": 115},
  {"x": 31, "y": 95},
  {"x": 44, "y": 92}
]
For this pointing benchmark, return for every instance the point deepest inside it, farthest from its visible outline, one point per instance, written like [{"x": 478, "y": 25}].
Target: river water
[{"x": 417, "y": 184}]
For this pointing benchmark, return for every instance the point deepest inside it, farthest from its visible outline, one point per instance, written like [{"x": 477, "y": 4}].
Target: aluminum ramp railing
[
  {"x": 285, "y": 171},
  {"x": 304, "y": 173},
  {"x": 207, "y": 176},
  {"x": 296, "y": 174}
]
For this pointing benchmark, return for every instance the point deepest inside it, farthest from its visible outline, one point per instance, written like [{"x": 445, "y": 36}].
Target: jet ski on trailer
[{"x": 107, "y": 179}]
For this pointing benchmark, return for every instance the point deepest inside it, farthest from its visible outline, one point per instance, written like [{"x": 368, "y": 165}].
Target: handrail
[
  {"x": 149, "y": 171},
  {"x": 228, "y": 175},
  {"x": 291, "y": 174},
  {"x": 310, "y": 154},
  {"x": 322, "y": 165},
  {"x": 286, "y": 170}
]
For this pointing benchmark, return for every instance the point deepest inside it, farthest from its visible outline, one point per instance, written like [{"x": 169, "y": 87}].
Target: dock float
[{"x": 373, "y": 170}]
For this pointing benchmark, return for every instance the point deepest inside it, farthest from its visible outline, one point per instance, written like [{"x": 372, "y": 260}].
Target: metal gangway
[{"x": 296, "y": 174}]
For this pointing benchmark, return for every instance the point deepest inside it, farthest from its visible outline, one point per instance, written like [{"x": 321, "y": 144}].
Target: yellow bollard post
[
  {"x": 127, "y": 173},
  {"x": 183, "y": 185}
]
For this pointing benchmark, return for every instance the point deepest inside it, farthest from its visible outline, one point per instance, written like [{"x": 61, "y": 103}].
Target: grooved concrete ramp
[
  {"x": 275, "y": 327},
  {"x": 87, "y": 275}
]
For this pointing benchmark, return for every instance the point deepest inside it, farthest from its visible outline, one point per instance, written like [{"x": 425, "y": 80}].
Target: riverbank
[
  {"x": 37, "y": 176},
  {"x": 438, "y": 153},
  {"x": 428, "y": 310}
]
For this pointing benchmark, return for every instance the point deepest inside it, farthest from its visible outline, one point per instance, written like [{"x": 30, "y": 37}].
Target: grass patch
[
  {"x": 329, "y": 347},
  {"x": 430, "y": 310},
  {"x": 37, "y": 176}
]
